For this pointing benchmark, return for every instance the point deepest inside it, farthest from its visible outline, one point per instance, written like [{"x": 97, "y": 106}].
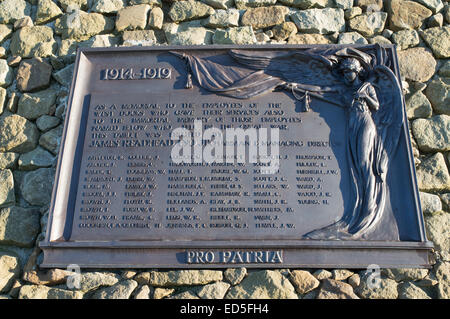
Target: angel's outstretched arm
[
  {"x": 310, "y": 88},
  {"x": 313, "y": 91}
]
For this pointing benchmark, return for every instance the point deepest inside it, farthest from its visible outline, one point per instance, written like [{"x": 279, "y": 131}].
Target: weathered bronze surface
[{"x": 339, "y": 190}]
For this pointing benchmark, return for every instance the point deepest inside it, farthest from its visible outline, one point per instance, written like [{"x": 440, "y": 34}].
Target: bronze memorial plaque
[{"x": 226, "y": 156}]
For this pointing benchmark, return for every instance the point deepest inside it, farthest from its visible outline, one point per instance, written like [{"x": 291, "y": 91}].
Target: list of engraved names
[{"x": 129, "y": 186}]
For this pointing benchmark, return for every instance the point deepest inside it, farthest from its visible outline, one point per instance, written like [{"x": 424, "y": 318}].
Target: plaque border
[{"x": 145, "y": 254}]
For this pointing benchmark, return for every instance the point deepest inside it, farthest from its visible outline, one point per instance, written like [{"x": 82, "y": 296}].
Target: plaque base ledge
[{"x": 312, "y": 255}]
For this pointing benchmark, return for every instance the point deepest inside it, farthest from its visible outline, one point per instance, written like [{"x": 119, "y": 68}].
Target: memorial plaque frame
[{"x": 66, "y": 245}]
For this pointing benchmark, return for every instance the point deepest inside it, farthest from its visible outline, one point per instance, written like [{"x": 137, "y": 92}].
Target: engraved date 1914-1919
[{"x": 132, "y": 74}]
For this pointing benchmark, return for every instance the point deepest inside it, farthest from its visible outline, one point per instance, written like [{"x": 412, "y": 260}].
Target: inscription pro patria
[{"x": 274, "y": 156}]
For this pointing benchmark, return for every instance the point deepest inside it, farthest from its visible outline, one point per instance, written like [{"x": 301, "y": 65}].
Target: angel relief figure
[{"x": 345, "y": 77}]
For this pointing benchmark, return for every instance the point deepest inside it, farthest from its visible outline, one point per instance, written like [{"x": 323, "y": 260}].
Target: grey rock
[
  {"x": 12, "y": 10},
  {"x": 108, "y": 6},
  {"x": 68, "y": 47},
  {"x": 156, "y": 18},
  {"x": 406, "y": 14},
  {"x": 343, "y": 4},
  {"x": 438, "y": 39},
  {"x": 445, "y": 69},
  {"x": 352, "y": 12},
  {"x": 341, "y": 274},
  {"x": 33, "y": 74},
  {"x": 161, "y": 293},
  {"x": 101, "y": 41},
  {"x": 7, "y": 196},
  {"x": 33, "y": 41},
  {"x": 184, "y": 277},
  {"x": 139, "y": 38},
  {"x": 8, "y": 160},
  {"x": 189, "y": 10},
  {"x": 3, "y": 94},
  {"x": 444, "y": 197},
  {"x": 220, "y": 4},
  {"x": 264, "y": 17},
  {"x": 430, "y": 203},
  {"x": 47, "y": 122},
  {"x": 51, "y": 139},
  {"x": 121, "y": 290},
  {"x": 215, "y": 290},
  {"x": 438, "y": 231},
  {"x": 265, "y": 284},
  {"x": 17, "y": 134},
  {"x": 128, "y": 274},
  {"x": 408, "y": 290},
  {"x": 323, "y": 21},
  {"x": 416, "y": 64},
  {"x": 322, "y": 274},
  {"x": 432, "y": 134},
  {"x": 18, "y": 226},
  {"x": 239, "y": 35},
  {"x": 442, "y": 270},
  {"x": 64, "y": 76},
  {"x": 306, "y": 4},
  {"x": 47, "y": 10},
  {"x": 152, "y": 3},
  {"x": 433, "y": 5},
  {"x": 23, "y": 22},
  {"x": 333, "y": 289},
  {"x": 80, "y": 26},
  {"x": 351, "y": 38},
  {"x": 303, "y": 281},
  {"x": 6, "y": 74},
  {"x": 235, "y": 275},
  {"x": 143, "y": 292},
  {"x": 37, "y": 186},
  {"x": 11, "y": 104},
  {"x": 70, "y": 5},
  {"x": 92, "y": 280},
  {"x": 33, "y": 105},
  {"x": 406, "y": 38},
  {"x": 37, "y": 158},
  {"x": 382, "y": 288},
  {"x": 187, "y": 34},
  {"x": 132, "y": 18},
  {"x": 418, "y": 106},
  {"x": 405, "y": 274},
  {"x": 61, "y": 111},
  {"x": 284, "y": 30},
  {"x": 438, "y": 92},
  {"x": 9, "y": 270},
  {"x": 370, "y": 5},
  {"x": 446, "y": 12},
  {"x": 223, "y": 19},
  {"x": 354, "y": 280},
  {"x": 432, "y": 174},
  {"x": 43, "y": 292},
  {"x": 436, "y": 21},
  {"x": 245, "y": 4},
  {"x": 369, "y": 24},
  {"x": 5, "y": 31}
]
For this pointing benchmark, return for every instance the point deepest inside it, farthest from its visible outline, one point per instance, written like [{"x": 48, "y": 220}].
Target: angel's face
[{"x": 349, "y": 75}]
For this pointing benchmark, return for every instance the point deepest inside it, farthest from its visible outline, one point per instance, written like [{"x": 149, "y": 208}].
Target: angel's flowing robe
[{"x": 362, "y": 150}]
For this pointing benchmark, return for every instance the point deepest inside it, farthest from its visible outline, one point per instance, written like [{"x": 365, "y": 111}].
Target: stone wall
[{"x": 38, "y": 42}]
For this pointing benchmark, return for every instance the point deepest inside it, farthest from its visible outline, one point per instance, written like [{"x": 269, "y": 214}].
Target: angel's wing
[
  {"x": 389, "y": 118},
  {"x": 308, "y": 66}
]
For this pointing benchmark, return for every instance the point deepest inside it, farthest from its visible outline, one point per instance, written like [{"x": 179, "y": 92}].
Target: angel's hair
[{"x": 351, "y": 64}]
